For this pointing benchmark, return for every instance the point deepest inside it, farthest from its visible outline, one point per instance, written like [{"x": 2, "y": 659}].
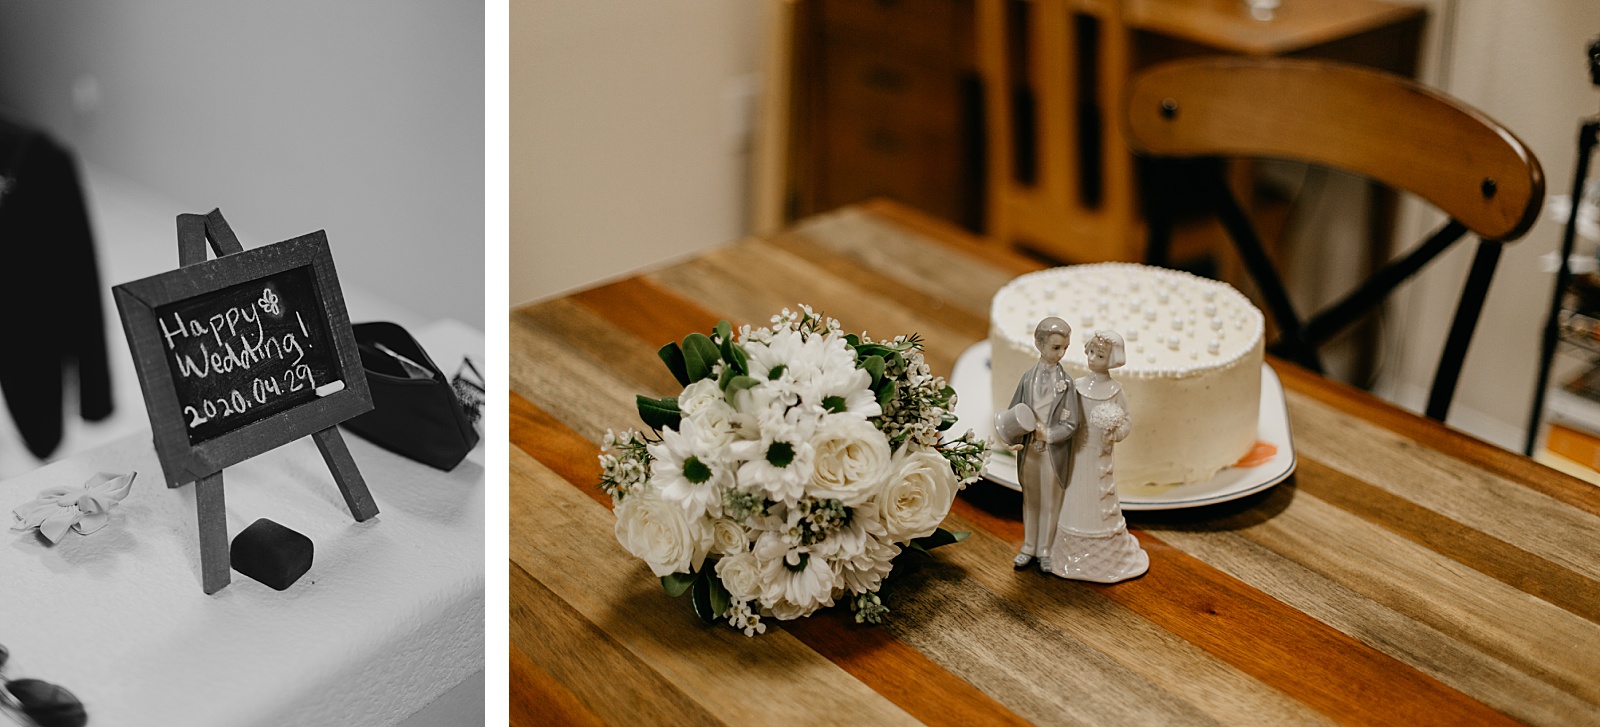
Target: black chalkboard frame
[{"x": 182, "y": 462}]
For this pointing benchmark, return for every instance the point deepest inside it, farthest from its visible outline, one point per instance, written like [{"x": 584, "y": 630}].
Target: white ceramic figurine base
[{"x": 1092, "y": 539}]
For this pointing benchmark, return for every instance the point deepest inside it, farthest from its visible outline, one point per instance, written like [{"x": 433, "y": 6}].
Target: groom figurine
[{"x": 1044, "y": 456}]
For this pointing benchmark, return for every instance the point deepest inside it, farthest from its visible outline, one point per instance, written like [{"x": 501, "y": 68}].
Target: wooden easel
[{"x": 194, "y": 232}]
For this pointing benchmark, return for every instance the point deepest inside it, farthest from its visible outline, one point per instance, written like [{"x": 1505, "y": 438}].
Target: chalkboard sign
[
  {"x": 248, "y": 351},
  {"x": 242, "y": 354}
]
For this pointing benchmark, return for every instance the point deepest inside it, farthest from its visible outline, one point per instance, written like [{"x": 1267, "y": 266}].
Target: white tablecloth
[{"x": 389, "y": 616}]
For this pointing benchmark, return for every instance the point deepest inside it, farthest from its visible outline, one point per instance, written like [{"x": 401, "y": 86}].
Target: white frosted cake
[{"x": 1193, "y": 373}]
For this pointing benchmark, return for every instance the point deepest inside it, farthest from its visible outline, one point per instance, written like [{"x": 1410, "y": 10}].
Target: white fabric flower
[
  {"x": 850, "y": 462},
  {"x": 780, "y": 462},
  {"x": 697, "y": 395},
  {"x": 796, "y": 584},
  {"x": 741, "y": 575},
  {"x": 865, "y": 571},
  {"x": 718, "y": 427},
  {"x": 918, "y": 494},
  {"x": 682, "y": 476},
  {"x": 841, "y": 387},
  {"x": 728, "y": 537},
  {"x": 851, "y": 540},
  {"x": 657, "y": 532}
]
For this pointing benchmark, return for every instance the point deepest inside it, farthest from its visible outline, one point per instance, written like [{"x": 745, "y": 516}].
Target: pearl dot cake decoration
[{"x": 1194, "y": 409}]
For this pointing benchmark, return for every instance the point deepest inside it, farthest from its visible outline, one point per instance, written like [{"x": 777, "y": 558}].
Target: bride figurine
[{"x": 1092, "y": 540}]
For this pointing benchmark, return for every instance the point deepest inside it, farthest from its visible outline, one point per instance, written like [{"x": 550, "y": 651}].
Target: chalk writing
[{"x": 246, "y": 352}]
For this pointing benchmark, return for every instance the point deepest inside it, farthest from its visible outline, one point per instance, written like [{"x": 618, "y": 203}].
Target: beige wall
[
  {"x": 626, "y": 144},
  {"x": 1521, "y": 63},
  {"x": 363, "y": 117}
]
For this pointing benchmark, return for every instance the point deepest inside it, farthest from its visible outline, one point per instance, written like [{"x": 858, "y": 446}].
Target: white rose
[
  {"x": 741, "y": 575},
  {"x": 697, "y": 395},
  {"x": 717, "y": 426},
  {"x": 728, "y": 537},
  {"x": 917, "y": 496},
  {"x": 850, "y": 462},
  {"x": 658, "y": 532}
]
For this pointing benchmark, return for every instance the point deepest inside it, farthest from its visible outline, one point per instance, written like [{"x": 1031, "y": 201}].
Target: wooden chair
[{"x": 1366, "y": 122}]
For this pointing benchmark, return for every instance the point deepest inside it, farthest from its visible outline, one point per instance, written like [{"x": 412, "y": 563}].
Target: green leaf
[
  {"x": 673, "y": 356},
  {"x": 874, "y": 365},
  {"x": 731, "y": 354},
  {"x": 700, "y": 597},
  {"x": 887, "y": 391},
  {"x": 659, "y": 414},
  {"x": 939, "y": 538},
  {"x": 675, "y": 584},
  {"x": 721, "y": 599},
  {"x": 724, "y": 331},
  {"x": 699, "y": 353},
  {"x": 853, "y": 340},
  {"x": 740, "y": 361},
  {"x": 737, "y": 384}
]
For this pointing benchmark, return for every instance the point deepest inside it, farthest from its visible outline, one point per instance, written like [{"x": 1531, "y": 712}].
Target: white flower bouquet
[{"x": 798, "y": 462}]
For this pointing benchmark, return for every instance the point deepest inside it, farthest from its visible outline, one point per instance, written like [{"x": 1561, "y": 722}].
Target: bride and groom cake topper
[{"x": 1063, "y": 432}]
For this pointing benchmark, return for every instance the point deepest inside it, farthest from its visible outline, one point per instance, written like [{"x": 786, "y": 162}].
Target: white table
[{"x": 389, "y": 617}]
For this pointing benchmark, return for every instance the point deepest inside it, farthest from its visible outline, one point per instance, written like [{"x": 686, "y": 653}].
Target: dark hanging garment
[{"x": 50, "y": 315}]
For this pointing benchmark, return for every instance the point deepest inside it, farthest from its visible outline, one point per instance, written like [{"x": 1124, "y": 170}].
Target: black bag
[{"x": 415, "y": 409}]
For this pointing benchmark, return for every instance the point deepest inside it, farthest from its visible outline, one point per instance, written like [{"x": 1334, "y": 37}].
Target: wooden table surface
[{"x": 1406, "y": 574}]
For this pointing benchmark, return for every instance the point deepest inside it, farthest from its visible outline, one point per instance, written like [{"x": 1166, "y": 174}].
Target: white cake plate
[{"x": 974, "y": 411}]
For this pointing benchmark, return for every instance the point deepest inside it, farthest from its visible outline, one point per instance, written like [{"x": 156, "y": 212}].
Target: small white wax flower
[
  {"x": 1214, "y": 346},
  {"x": 1216, "y": 324},
  {"x": 1172, "y": 342}
]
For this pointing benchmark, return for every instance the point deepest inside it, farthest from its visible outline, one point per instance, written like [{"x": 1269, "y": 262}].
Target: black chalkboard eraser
[{"x": 271, "y": 554}]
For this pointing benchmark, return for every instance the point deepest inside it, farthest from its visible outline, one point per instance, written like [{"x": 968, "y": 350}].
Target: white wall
[
  {"x": 361, "y": 117},
  {"x": 626, "y": 143},
  {"x": 1522, "y": 64}
]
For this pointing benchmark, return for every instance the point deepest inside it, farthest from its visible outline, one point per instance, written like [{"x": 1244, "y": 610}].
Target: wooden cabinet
[
  {"x": 1003, "y": 115},
  {"x": 887, "y": 105}
]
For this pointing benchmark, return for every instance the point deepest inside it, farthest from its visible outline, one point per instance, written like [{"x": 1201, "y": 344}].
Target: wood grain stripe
[
  {"x": 924, "y": 689},
  {"x": 1045, "y": 675},
  {"x": 1271, "y": 641},
  {"x": 1440, "y": 655},
  {"x": 1079, "y": 609},
  {"x": 938, "y": 307},
  {"x": 902, "y": 674},
  {"x": 888, "y": 253},
  {"x": 649, "y": 311},
  {"x": 1538, "y": 638},
  {"x": 941, "y": 232},
  {"x": 562, "y": 450},
  {"x": 602, "y": 675},
  {"x": 565, "y": 542},
  {"x": 1433, "y": 435},
  {"x": 538, "y": 699},
  {"x": 1484, "y": 553},
  {"x": 1482, "y": 500}
]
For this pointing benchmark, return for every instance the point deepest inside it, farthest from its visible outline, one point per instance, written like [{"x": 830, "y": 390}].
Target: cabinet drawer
[
  {"x": 870, "y": 82},
  {"x": 939, "y": 30},
  {"x": 868, "y": 157}
]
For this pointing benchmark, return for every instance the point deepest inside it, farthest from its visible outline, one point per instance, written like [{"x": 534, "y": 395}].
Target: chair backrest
[{"x": 1367, "y": 122}]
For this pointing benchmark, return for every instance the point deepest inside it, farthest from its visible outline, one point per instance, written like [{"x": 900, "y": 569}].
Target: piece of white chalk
[{"x": 330, "y": 388}]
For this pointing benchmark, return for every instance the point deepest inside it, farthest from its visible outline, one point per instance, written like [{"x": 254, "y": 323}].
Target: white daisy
[{"x": 682, "y": 476}]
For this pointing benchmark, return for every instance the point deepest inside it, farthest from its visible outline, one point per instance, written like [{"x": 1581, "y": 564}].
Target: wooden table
[{"x": 1406, "y": 574}]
